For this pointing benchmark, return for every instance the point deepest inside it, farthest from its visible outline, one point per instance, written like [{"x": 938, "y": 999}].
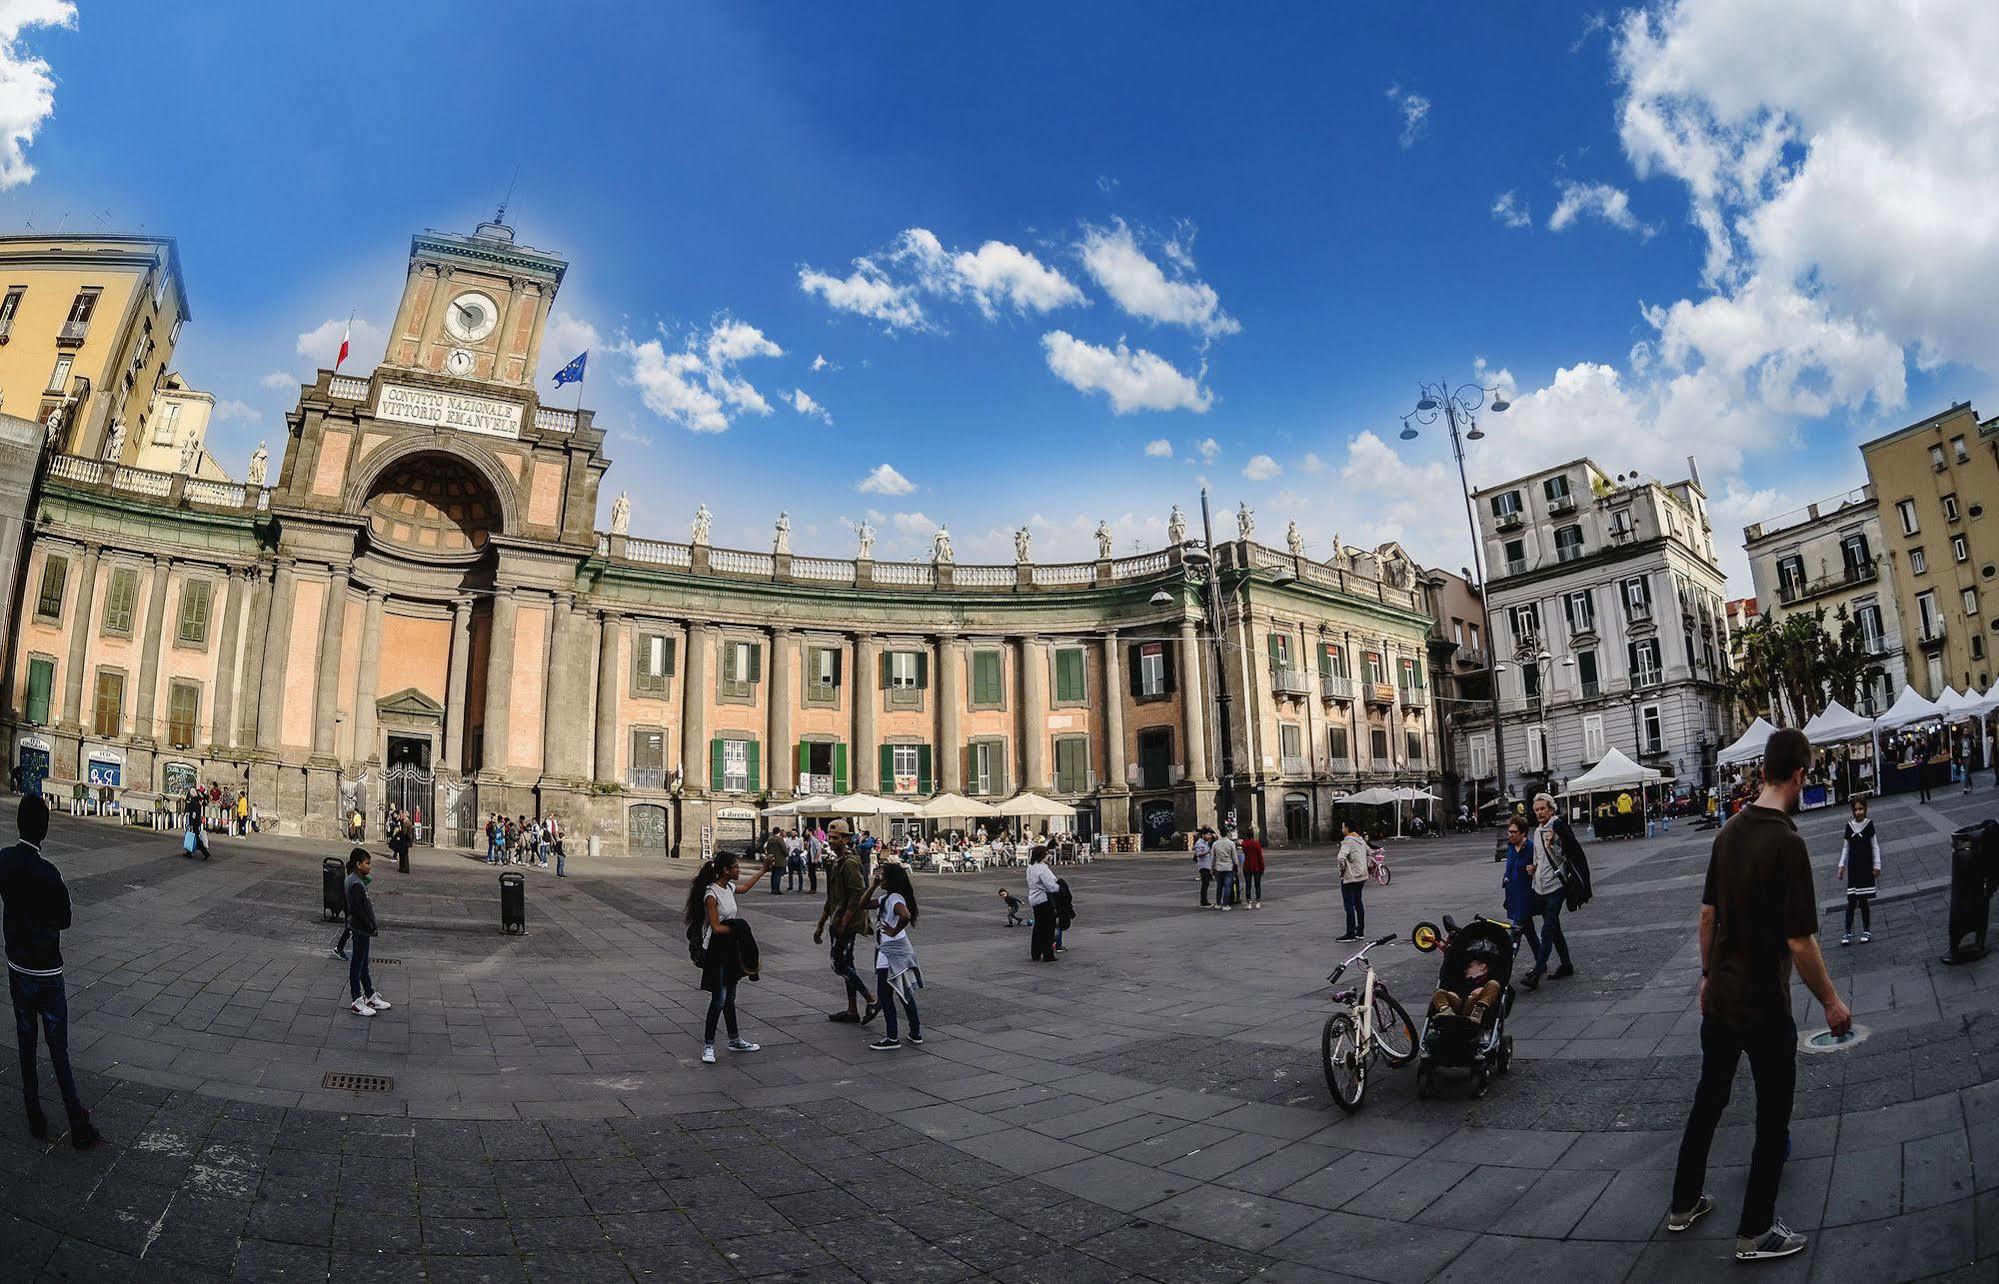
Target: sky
[{"x": 1055, "y": 264}]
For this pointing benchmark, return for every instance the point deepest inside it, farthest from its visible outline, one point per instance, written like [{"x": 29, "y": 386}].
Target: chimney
[{"x": 1694, "y": 472}]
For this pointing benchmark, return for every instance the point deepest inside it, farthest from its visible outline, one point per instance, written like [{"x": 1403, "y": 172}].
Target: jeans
[
  {"x": 1773, "y": 1064},
  {"x": 1523, "y": 930},
  {"x": 346, "y": 934},
  {"x": 812, "y": 873},
  {"x": 561, "y": 860},
  {"x": 889, "y": 994},
  {"x": 43, "y": 997},
  {"x": 492, "y": 851},
  {"x": 722, "y": 1004},
  {"x": 1207, "y": 877},
  {"x": 1356, "y": 915},
  {"x": 1225, "y": 887},
  {"x": 1041, "y": 946},
  {"x": 843, "y": 963},
  {"x": 358, "y": 979},
  {"x": 1552, "y": 940},
  {"x": 776, "y": 881},
  {"x": 1252, "y": 886}
]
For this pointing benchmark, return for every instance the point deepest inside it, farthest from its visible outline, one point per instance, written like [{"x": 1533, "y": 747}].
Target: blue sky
[{"x": 1239, "y": 234}]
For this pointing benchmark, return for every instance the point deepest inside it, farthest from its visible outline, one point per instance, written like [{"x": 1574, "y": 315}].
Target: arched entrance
[{"x": 432, "y": 504}]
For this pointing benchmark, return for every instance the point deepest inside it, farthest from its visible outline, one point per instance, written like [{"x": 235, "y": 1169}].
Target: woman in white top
[
  {"x": 711, "y": 902},
  {"x": 1042, "y": 889},
  {"x": 893, "y": 905}
]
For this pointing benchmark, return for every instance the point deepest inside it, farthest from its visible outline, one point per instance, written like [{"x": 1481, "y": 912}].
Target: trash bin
[
  {"x": 333, "y": 887},
  {"x": 1974, "y": 874},
  {"x": 513, "y": 902}
]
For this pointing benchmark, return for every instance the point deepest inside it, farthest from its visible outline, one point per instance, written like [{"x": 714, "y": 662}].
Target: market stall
[
  {"x": 1616, "y": 777},
  {"x": 1849, "y": 768}
]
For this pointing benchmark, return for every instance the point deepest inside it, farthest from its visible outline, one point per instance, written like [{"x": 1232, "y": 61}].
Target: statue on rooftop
[
  {"x": 621, "y": 513},
  {"x": 940, "y": 547},
  {"x": 782, "y": 544},
  {"x": 1176, "y": 527},
  {"x": 703, "y": 519},
  {"x": 1023, "y": 546},
  {"x": 1293, "y": 540},
  {"x": 1245, "y": 520},
  {"x": 867, "y": 534},
  {"x": 1103, "y": 539},
  {"x": 260, "y": 465}
]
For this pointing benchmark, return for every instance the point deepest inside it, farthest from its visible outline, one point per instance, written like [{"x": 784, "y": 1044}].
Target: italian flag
[{"x": 346, "y": 341}]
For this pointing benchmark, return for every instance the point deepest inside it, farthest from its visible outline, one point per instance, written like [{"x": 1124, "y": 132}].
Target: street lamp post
[
  {"x": 1223, "y": 699},
  {"x": 1458, "y": 409}
]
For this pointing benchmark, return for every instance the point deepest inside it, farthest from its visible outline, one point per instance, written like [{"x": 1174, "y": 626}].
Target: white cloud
[
  {"x": 914, "y": 524},
  {"x": 885, "y": 480},
  {"x": 1159, "y": 448},
  {"x": 321, "y": 344},
  {"x": 866, "y": 291},
  {"x": 1415, "y": 110},
  {"x": 1311, "y": 463},
  {"x": 1511, "y": 210},
  {"x": 1209, "y": 448},
  {"x": 1141, "y": 287},
  {"x": 280, "y": 381},
  {"x": 233, "y": 409},
  {"x": 821, "y": 363},
  {"x": 698, "y": 386},
  {"x": 1594, "y": 200},
  {"x": 27, "y": 84},
  {"x": 802, "y": 402},
  {"x": 1261, "y": 468},
  {"x": 1134, "y": 380},
  {"x": 994, "y": 275},
  {"x": 565, "y": 336}
]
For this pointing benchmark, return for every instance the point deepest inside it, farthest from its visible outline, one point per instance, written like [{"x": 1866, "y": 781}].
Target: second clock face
[
  {"x": 471, "y": 317},
  {"x": 459, "y": 362}
]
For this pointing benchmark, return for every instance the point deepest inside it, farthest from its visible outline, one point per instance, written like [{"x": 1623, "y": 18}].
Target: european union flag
[{"x": 573, "y": 372}]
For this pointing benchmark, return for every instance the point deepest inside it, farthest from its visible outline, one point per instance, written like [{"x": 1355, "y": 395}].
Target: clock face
[
  {"x": 471, "y": 317},
  {"x": 459, "y": 362}
]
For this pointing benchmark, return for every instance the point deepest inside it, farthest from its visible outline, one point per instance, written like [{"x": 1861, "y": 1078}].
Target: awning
[
  {"x": 1033, "y": 805},
  {"x": 1749, "y": 747},
  {"x": 1836, "y": 723},
  {"x": 1909, "y": 708},
  {"x": 809, "y": 805},
  {"x": 1375, "y": 797},
  {"x": 868, "y": 805},
  {"x": 956, "y": 807},
  {"x": 1615, "y": 771}
]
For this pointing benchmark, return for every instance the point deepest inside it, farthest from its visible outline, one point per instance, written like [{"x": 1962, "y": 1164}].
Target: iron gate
[{"x": 414, "y": 789}]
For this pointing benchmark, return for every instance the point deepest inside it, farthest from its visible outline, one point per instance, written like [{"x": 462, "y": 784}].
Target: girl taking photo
[{"x": 728, "y": 948}]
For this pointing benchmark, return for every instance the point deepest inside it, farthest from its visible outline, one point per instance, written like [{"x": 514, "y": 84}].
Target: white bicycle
[{"x": 1370, "y": 1024}]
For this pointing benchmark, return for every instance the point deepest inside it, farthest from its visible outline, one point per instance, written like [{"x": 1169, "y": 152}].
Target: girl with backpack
[{"x": 722, "y": 944}]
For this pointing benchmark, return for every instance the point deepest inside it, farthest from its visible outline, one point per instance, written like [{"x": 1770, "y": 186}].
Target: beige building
[
  {"x": 1938, "y": 482},
  {"x": 87, "y": 330},
  {"x": 173, "y": 437},
  {"x": 418, "y": 610},
  {"x": 1459, "y": 665},
  {"x": 1829, "y": 554}
]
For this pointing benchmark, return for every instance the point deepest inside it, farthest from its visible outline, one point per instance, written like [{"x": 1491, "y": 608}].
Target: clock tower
[{"x": 474, "y": 306}]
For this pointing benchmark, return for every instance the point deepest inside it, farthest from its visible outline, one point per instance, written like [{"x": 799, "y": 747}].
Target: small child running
[
  {"x": 1859, "y": 868},
  {"x": 1013, "y": 918}
]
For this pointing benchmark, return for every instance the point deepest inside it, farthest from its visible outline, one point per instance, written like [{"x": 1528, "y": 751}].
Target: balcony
[
  {"x": 72, "y": 334},
  {"x": 1591, "y": 690},
  {"x": 1516, "y": 566},
  {"x": 1569, "y": 552},
  {"x": 1290, "y": 682},
  {"x": 1561, "y": 504},
  {"x": 1648, "y": 678},
  {"x": 1508, "y": 521},
  {"x": 1335, "y": 686},
  {"x": 1470, "y": 656},
  {"x": 1296, "y": 765},
  {"x": 1638, "y": 612},
  {"x": 1382, "y": 693},
  {"x": 1793, "y": 591},
  {"x": 1415, "y": 697},
  {"x": 1930, "y": 635},
  {"x": 646, "y": 778}
]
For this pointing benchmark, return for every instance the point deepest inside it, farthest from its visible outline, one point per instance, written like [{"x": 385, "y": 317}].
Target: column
[
  {"x": 566, "y": 706},
  {"x": 499, "y": 683},
  {"x": 950, "y": 751},
  {"x": 608, "y": 672},
  {"x": 780, "y": 755},
  {"x": 277, "y": 647},
  {"x": 1114, "y": 768},
  {"x": 149, "y": 653},
  {"x": 368, "y": 679},
  {"x": 81, "y": 627},
  {"x": 1034, "y": 713},
  {"x": 223, "y": 710},
  {"x": 865, "y": 761},
  {"x": 251, "y": 661},
  {"x": 326, "y": 689},
  {"x": 455, "y": 684},
  {"x": 694, "y": 711},
  {"x": 1193, "y": 703}
]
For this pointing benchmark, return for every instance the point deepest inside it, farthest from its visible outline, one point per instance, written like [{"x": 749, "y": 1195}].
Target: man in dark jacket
[
  {"x": 361, "y": 922},
  {"x": 37, "y": 912}
]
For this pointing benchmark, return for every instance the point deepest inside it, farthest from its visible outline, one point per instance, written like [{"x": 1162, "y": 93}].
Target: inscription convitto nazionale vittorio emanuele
[{"x": 434, "y": 409}]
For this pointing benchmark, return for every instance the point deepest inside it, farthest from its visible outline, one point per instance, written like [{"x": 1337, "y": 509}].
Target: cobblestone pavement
[{"x": 1152, "y": 1107}]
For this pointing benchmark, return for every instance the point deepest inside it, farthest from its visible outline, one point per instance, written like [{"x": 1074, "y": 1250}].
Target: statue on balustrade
[
  {"x": 1293, "y": 540},
  {"x": 190, "y": 454},
  {"x": 1023, "y": 546},
  {"x": 114, "y": 446},
  {"x": 782, "y": 545},
  {"x": 1176, "y": 527},
  {"x": 260, "y": 465},
  {"x": 940, "y": 547},
  {"x": 703, "y": 519},
  {"x": 1245, "y": 520},
  {"x": 621, "y": 513},
  {"x": 867, "y": 535},
  {"x": 55, "y": 427},
  {"x": 1104, "y": 540}
]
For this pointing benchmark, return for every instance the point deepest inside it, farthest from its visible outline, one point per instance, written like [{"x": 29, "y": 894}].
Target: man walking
[
  {"x": 37, "y": 913},
  {"x": 1759, "y": 918},
  {"x": 846, "y": 888}
]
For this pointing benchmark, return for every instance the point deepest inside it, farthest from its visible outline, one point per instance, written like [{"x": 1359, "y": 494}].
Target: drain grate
[
  {"x": 387, "y": 962},
  {"x": 339, "y": 1082}
]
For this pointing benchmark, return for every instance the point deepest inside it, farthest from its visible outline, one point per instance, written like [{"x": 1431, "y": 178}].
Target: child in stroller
[{"x": 1465, "y": 1027}]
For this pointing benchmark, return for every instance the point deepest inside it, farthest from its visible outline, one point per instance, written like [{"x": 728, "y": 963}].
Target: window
[
  {"x": 10, "y": 307},
  {"x": 1971, "y": 601},
  {"x": 1526, "y": 622},
  {"x": 652, "y": 663},
  {"x": 742, "y": 669},
  {"x": 1869, "y": 619},
  {"x": 183, "y": 713},
  {"x": 734, "y": 766},
  {"x": 1592, "y": 737},
  {"x": 648, "y": 759},
  {"x": 1516, "y": 556},
  {"x": 903, "y": 761},
  {"x": 41, "y": 683},
  {"x": 1072, "y": 765},
  {"x": 1927, "y": 613},
  {"x": 1620, "y": 524},
  {"x": 1506, "y": 507},
  {"x": 1071, "y": 684},
  {"x": 59, "y": 375},
  {"x": 1290, "y": 740},
  {"x": 1279, "y": 646},
  {"x": 986, "y": 670},
  {"x": 119, "y": 597},
  {"x": 1906, "y": 510},
  {"x": 1457, "y": 631},
  {"x": 1790, "y": 576},
  {"x": 167, "y": 427},
  {"x": 905, "y": 768},
  {"x": 1474, "y": 636},
  {"x": 110, "y": 704},
  {"x": 1568, "y": 543},
  {"x": 1644, "y": 657},
  {"x": 1332, "y": 660},
  {"x": 194, "y": 596},
  {"x": 1586, "y": 673},
  {"x": 1410, "y": 675},
  {"x": 1152, "y": 671},
  {"x": 1557, "y": 491},
  {"x": 1958, "y": 449},
  {"x": 1337, "y": 747},
  {"x": 1413, "y": 743},
  {"x": 903, "y": 667},
  {"x": 1859, "y": 559},
  {"x": 1959, "y": 550},
  {"x": 822, "y": 677},
  {"x": 1581, "y": 608},
  {"x": 1655, "y": 740},
  {"x": 1377, "y": 672},
  {"x": 55, "y": 577},
  {"x": 1377, "y": 743},
  {"x": 1155, "y": 758},
  {"x": 1936, "y": 458},
  {"x": 1977, "y": 647},
  {"x": 80, "y": 310},
  {"x": 1919, "y": 564},
  {"x": 1481, "y": 757},
  {"x": 1950, "y": 508},
  {"x": 1637, "y": 598},
  {"x": 1530, "y": 680},
  {"x": 1537, "y": 748}
]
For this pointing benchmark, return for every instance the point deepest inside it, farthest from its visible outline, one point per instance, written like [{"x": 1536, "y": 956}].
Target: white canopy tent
[
  {"x": 809, "y": 805},
  {"x": 1836, "y": 723},
  {"x": 1957, "y": 705},
  {"x": 1749, "y": 746},
  {"x": 1908, "y": 709},
  {"x": 1030, "y": 804},
  {"x": 868, "y": 805},
  {"x": 956, "y": 807},
  {"x": 1614, "y": 771}
]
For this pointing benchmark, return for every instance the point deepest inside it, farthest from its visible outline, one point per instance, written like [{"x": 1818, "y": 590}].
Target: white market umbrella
[
  {"x": 1373, "y": 797},
  {"x": 1749, "y": 747},
  {"x": 868, "y": 805},
  {"x": 1614, "y": 771},
  {"x": 1909, "y": 708},
  {"x": 809, "y": 805},
  {"x": 1030, "y": 804},
  {"x": 956, "y": 807},
  {"x": 1835, "y": 723}
]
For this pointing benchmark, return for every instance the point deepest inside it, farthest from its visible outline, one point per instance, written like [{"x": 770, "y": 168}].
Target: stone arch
[
  {"x": 432, "y": 504},
  {"x": 366, "y": 477}
]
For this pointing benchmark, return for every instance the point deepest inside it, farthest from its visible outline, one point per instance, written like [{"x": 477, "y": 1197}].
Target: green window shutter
[
  {"x": 669, "y": 647},
  {"x": 194, "y": 611},
  {"x": 55, "y": 574},
  {"x": 715, "y": 764},
  {"x": 756, "y": 662},
  {"x": 886, "y": 782},
  {"x": 1271, "y": 641},
  {"x": 922, "y": 670},
  {"x": 41, "y": 679},
  {"x": 1325, "y": 660},
  {"x": 840, "y": 768},
  {"x": 885, "y": 670},
  {"x": 1166, "y": 657},
  {"x": 728, "y": 661},
  {"x": 986, "y": 677},
  {"x": 119, "y": 601},
  {"x": 804, "y": 759},
  {"x": 1417, "y": 669},
  {"x": 751, "y": 760},
  {"x": 923, "y": 769}
]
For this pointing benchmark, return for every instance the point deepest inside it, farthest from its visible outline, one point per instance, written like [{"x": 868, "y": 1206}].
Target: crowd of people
[{"x": 526, "y": 840}]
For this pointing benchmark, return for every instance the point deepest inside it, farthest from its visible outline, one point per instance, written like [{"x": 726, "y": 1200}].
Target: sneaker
[
  {"x": 1680, "y": 1221},
  {"x": 1532, "y": 981},
  {"x": 916, "y": 1038},
  {"x": 1847, "y": 939},
  {"x": 1779, "y": 1241},
  {"x": 872, "y": 1012},
  {"x": 1866, "y": 937},
  {"x": 379, "y": 1003},
  {"x": 708, "y": 1054},
  {"x": 360, "y": 1008},
  {"x": 1563, "y": 971},
  {"x": 744, "y": 1045},
  {"x": 1227, "y": 908},
  {"x": 885, "y": 1044},
  {"x": 340, "y": 954}
]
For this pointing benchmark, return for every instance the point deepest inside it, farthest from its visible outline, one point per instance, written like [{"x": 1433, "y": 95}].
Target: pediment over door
[{"x": 410, "y": 705}]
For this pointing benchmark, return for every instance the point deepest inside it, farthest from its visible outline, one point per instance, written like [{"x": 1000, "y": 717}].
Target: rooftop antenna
[{"x": 507, "y": 200}]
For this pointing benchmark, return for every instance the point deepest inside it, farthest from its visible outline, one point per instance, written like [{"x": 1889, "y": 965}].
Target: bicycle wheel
[
  {"x": 1346, "y": 1060},
  {"x": 1394, "y": 1032}
]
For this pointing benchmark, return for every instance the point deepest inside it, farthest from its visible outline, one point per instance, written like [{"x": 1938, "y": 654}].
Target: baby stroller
[{"x": 1473, "y": 1036}]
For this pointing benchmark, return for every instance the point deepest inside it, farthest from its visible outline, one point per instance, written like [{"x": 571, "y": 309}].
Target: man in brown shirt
[
  {"x": 1759, "y": 917},
  {"x": 846, "y": 890}
]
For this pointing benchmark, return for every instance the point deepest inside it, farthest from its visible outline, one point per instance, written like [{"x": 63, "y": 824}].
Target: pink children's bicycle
[{"x": 1377, "y": 865}]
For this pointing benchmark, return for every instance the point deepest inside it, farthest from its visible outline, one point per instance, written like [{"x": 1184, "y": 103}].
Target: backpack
[
  {"x": 1065, "y": 905},
  {"x": 696, "y": 952}
]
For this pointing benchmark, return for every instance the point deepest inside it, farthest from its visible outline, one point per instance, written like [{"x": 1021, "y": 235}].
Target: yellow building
[
  {"x": 87, "y": 330},
  {"x": 174, "y": 434}
]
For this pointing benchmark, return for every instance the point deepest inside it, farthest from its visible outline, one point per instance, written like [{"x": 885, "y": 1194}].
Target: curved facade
[{"x": 419, "y": 610}]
